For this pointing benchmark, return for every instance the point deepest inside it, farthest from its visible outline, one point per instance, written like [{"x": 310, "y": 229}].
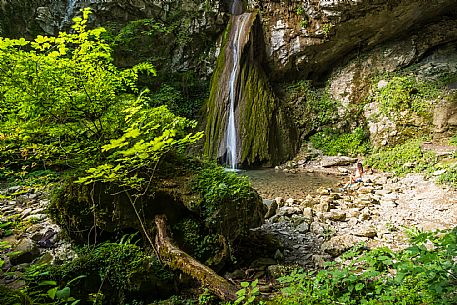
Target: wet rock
[
  {"x": 279, "y": 256},
  {"x": 289, "y": 211},
  {"x": 25, "y": 251},
  {"x": 291, "y": 202},
  {"x": 323, "y": 191},
  {"x": 26, "y": 212},
  {"x": 237, "y": 274},
  {"x": 366, "y": 190},
  {"x": 48, "y": 239},
  {"x": 309, "y": 201},
  {"x": 303, "y": 227},
  {"x": 280, "y": 201},
  {"x": 271, "y": 211},
  {"x": 336, "y": 215},
  {"x": 36, "y": 217},
  {"x": 317, "y": 228},
  {"x": 322, "y": 207},
  {"x": 369, "y": 232}
]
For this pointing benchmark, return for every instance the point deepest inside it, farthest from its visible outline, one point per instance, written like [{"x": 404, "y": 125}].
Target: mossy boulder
[{"x": 207, "y": 210}]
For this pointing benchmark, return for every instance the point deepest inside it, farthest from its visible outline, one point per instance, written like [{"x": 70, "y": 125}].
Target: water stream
[
  {"x": 71, "y": 4},
  {"x": 239, "y": 24}
]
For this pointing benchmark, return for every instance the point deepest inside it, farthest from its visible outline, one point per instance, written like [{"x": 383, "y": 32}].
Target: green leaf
[
  {"x": 359, "y": 286},
  {"x": 63, "y": 294},
  {"x": 47, "y": 283},
  {"x": 52, "y": 292}
]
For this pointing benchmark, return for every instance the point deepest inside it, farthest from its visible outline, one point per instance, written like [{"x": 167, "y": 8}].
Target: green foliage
[
  {"x": 60, "y": 97},
  {"x": 175, "y": 99},
  {"x": 449, "y": 176},
  {"x": 406, "y": 93},
  {"x": 12, "y": 297},
  {"x": 319, "y": 109},
  {"x": 143, "y": 27},
  {"x": 424, "y": 273},
  {"x": 402, "y": 159},
  {"x": 300, "y": 11},
  {"x": 326, "y": 28},
  {"x": 110, "y": 270},
  {"x": 216, "y": 185},
  {"x": 332, "y": 142},
  {"x": 195, "y": 241},
  {"x": 248, "y": 294},
  {"x": 149, "y": 135}
]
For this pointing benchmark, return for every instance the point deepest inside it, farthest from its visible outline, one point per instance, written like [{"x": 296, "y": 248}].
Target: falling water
[
  {"x": 231, "y": 135},
  {"x": 236, "y": 8},
  {"x": 69, "y": 11}
]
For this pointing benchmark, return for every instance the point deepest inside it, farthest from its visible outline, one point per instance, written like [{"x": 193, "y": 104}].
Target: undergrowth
[
  {"x": 333, "y": 142},
  {"x": 424, "y": 273},
  {"x": 402, "y": 159}
]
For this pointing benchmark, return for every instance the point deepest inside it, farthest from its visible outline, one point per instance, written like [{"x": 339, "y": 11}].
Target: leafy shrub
[
  {"x": 60, "y": 98},
  {"x": 332, "y": 142},
  {"x": 424, "y": 273},
  {"x": 215, "y": 184},
  {"x": 402, "y": 159},
  {"x": 406, "y": 93}
]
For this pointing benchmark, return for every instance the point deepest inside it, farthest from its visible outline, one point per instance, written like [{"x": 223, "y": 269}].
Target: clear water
[{"x": 271, "y": 183}]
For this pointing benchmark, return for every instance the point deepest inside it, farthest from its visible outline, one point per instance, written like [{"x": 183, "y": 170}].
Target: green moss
[
  {"x": 229, "y": 205},
  {"x": 196, "y": 241},
  {"x": 405, "y": 93},
  {"x": 257, "y": 109},
  {"x": 215, "y": 119},
  {"x": 119, "y": 272},
  {"x": 266, "y": 137},
  {"x": 312, "y": 108}
]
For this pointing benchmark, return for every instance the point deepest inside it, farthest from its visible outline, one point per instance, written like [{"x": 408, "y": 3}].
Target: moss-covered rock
[{"x": 115, "y": 273}]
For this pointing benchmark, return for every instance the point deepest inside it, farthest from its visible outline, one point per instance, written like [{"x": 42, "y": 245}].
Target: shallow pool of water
[{"x": 271, "y": 183}]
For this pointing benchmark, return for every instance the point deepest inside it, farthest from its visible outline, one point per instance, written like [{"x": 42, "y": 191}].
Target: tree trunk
[{"x": 178, "y": 259}]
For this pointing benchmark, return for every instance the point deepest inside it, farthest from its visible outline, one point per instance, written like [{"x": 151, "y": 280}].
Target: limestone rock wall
[{"x": 307, "y": 37}]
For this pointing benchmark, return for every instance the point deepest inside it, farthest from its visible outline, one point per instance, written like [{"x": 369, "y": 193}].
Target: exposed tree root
[{"x": 178, "y": 259}]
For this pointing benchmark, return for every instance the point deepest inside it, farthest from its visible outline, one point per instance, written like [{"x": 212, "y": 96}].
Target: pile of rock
[
  {"x": 34, "y": 238},
  {"x": 321, "y": 226}
]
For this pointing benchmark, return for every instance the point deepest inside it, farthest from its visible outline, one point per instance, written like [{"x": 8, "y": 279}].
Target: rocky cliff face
[
  {"x": 311, "y": 36},
  {"x": 342, "y": 42}
]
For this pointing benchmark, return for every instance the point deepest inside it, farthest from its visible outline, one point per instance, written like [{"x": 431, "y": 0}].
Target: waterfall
[
  {"x": 71, "y": 4},
  {"x": 236, "y": 8},
  {"x": 238, "y": 23}
]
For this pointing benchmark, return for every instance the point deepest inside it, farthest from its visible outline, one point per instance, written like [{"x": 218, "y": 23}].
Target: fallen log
[{"x": 178, "y": 259}]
